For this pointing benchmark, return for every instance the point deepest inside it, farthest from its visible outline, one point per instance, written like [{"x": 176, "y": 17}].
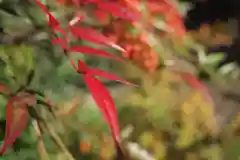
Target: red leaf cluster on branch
[
  {"x": 99, "y": 93},
  {"x": 16, "y": 110}
]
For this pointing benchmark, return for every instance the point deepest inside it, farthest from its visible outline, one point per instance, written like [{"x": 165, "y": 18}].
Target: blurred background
[{"x": 183, "y": 55}]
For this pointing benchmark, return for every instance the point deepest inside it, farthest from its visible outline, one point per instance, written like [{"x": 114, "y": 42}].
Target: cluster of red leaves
[
  {"x": 105, "y": 9},
  {"x": 135, "y": 46},
  {"x": 15, "y": 124},
  {"x": 137, "y": 49}
]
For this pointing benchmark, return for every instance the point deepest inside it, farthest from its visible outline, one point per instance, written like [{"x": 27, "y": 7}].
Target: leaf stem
[{"x": 54, "y": 136}]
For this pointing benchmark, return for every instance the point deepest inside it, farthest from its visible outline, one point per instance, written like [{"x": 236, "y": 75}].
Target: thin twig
[
  {"x": 41, "y": 148},
  {"x": 59, "y": 142},
  {"x": 54, "y": 136},
  {"x": 43, "y": 123}
]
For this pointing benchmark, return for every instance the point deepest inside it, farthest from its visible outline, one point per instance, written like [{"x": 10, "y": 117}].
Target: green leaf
[{"x": 214, "y": 58}]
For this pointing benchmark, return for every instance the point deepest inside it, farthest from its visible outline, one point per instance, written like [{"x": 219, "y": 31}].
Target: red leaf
[
  {"x": 61, "y": 42},
  {"x": 82, "y": 67},
  {"x": 106, "y": 75},
  {"x": 16, "y": 121},
  {"x": 89, "y": 34},
  {"x": 53, "y": 23},
  {"x": 93, "y": 51},
  {"x": 195, "y": 83},
  {"x": 118, "y": 10},
  {"x": 105, "y": 103},
  {"x": 93, "y": 36}
]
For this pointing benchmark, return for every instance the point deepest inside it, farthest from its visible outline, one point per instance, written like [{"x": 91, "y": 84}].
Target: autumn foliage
[
  {"x": 17, "y": 101},
  {"x": 136, "y": 45},
  {"x": 117, "y": 36}
]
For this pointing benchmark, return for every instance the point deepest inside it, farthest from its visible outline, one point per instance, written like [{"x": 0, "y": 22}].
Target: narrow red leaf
[
  {"x": 106, "y": 75},
  {"x": 196, "y": 84},
  {"x": 89, "y": 34},
  {"x": 61, "y": 42},
  {"x": 94, "y": 51},
  {"x": 82, "y": 67},
  {"x": 16, "y": 121},
  {"x": 93, "y": 36},
  {"x": 53, "y": 22},
  {"x": 118, "y": 10},
  {"x": 105, "y": 103}
]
